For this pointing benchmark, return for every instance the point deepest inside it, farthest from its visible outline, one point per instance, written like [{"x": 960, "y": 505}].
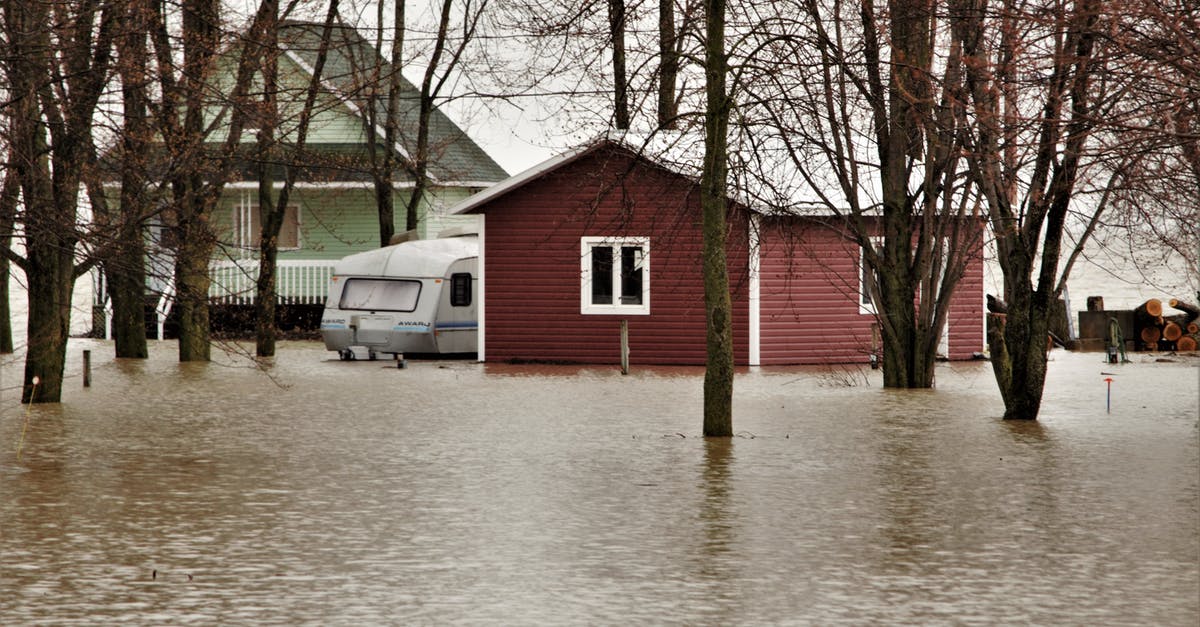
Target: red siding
[
  {"x": 966, "y": 312},
  {"x": 809, "y": 300},
  {"x": 808, "y": 306},
  {"x": 809, "y": 312},
  {"x": 532, "y": 272}
]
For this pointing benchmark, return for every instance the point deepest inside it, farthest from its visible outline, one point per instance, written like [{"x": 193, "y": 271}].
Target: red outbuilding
[{"x": 576, "y": 245}]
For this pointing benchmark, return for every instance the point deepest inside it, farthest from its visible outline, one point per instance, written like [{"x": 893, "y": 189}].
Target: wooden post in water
[
  {"x": 624, "y": 347},
  {"x": 87, "y": 369}
]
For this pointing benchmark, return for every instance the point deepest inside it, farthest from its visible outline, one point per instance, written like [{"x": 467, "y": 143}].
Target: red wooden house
[{"x": 572, "y": 247}]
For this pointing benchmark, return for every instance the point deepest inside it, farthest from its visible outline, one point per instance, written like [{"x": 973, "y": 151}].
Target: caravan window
[
  {"x": 380, "y": 294},
  {"x": 460, "y": 289}
]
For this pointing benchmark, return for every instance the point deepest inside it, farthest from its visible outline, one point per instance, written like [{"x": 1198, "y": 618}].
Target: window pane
[
  {"x": 602, "y": 275},
  {"x": 631, "y": 275},
  {"x": 380, "y": 295},
  {"x": 247, "y": 227},
  {"x": 289, "y": 231},
  {"x": 460, "y": 289}
]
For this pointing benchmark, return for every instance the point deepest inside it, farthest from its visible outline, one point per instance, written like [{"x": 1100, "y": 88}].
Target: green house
[{"x": 332, "y": 209}]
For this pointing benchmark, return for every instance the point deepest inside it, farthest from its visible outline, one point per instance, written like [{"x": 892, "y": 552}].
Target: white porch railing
[{"x": 298, "y": 282}]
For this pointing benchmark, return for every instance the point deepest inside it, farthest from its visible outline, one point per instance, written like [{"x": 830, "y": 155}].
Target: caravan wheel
[{"x": 346, "y": 354}]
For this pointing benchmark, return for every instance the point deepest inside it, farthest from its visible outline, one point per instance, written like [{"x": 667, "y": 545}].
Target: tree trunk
[
  {"x": 195, "y": 196},
  {"x": 9, "y": 195},
  {"x": 192, "y": 280},
  {"x": 668, "y": 65},
  {"x": 126, "y": 280},
  {"x": 270, "y": 213},
  {"x": 385, "y": 209},
  {"x": 51, "y": 171},
  {"x": 274, "y": 210},
  {"x": 1192, "y": 312},
  {"x": 421, "y": 158},
  {"x": 908, "y": 350},
  {"x": 125, "y": 269},
  {"x": 718, "y": 373},
  {"x": 383, "y": 162},
  {"x": 265, "y": 329},
  {"x": 1019, "y": 351},
  {"x": 616, "y": 29}
]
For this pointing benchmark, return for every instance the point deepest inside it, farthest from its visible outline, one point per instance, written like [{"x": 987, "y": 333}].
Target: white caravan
[{"x": 413, "y": 297}]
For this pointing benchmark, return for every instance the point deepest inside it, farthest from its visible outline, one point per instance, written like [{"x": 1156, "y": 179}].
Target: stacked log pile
[{"x": 1155, "y": 331}]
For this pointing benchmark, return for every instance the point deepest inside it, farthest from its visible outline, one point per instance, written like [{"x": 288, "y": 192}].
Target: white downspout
[
  {"x": 754, "y": 298},
  {"x": 481, "y": 332}
]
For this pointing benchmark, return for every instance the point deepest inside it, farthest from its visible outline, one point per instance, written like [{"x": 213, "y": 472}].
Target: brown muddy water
[{"x": 450, "y": 492}]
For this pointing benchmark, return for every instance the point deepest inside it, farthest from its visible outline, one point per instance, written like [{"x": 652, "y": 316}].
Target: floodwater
[{"x": 343, "y": 493}]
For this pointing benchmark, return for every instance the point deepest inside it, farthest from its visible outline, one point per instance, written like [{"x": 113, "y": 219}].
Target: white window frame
[
  {"x": 243, "y": 223},
  {"x": 587, "y": 244},
  {"x": 866, "y": 306}
]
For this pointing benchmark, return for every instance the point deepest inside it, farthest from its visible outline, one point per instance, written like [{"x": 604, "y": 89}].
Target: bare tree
[
  {"x": 124, "y": 266},
  {"x": 432, "y": 85},
  {"x": 1033, "y": 105},
  {"x": 384, "y": 159},
  {"x": 714, "y": 189},
  {"x": 404, "y": 142},
  {"x": 197, "y": 173},
  {"x": 57, "y": 65},
  {"x": 849, "y": 107},
  {"x": 273, "y": 206}
]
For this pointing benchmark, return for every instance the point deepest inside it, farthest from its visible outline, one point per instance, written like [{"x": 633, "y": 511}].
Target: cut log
[
  {"x": 1148, "y": 323},
  {"x": 1151, "y": 308},
  {"x": 1192, "y": 312},
  {"x": 1193, "y": 328},
  {"x": 1171, "y": 332},
  {"x": 1186, "y": 343}
]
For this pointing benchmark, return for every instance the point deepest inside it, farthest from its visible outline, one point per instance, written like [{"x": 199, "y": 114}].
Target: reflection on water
[{"x": 316, "y": 491}]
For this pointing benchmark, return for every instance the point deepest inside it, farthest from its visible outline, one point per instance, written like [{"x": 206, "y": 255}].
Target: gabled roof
[
  {"x": 563, "y": 159},
  {"x": 349, "y": 65},
  {"x": 519, "y": 180}
]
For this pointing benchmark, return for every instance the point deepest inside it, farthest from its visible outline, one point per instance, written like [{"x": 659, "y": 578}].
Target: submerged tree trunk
[
  {"x": 270, "y": 213},
  {"x": 1029, "y": 232},
  {"x": 1017, "y": 342},
  {"x": 192, "y": 279},
  {"x": 125, "y": 267},
  {"x": 908, "y": 354},
  {"x": 194, "y": 197},
  {"x": 9, "y": 195},
  {"x": 274, "y": 210},
  {"x": 51, "y": 172},
  {"x": 718, "y": 373}
]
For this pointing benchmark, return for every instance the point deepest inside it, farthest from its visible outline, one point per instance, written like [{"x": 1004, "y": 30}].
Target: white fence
[{"x": 302, "y": 282}]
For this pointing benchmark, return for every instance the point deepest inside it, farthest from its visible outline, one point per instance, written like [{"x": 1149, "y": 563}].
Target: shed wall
[
  {"x": 809, "y": 300},
  {"x": 532, "y": 257}
]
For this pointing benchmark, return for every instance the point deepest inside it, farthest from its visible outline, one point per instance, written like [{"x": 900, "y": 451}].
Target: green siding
[
  {"x": 333, "y": 223},
  {"x": 333, "y": 121}
]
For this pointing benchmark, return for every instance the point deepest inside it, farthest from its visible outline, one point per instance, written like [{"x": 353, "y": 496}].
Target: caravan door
[{"x": 457, "y": 319}]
